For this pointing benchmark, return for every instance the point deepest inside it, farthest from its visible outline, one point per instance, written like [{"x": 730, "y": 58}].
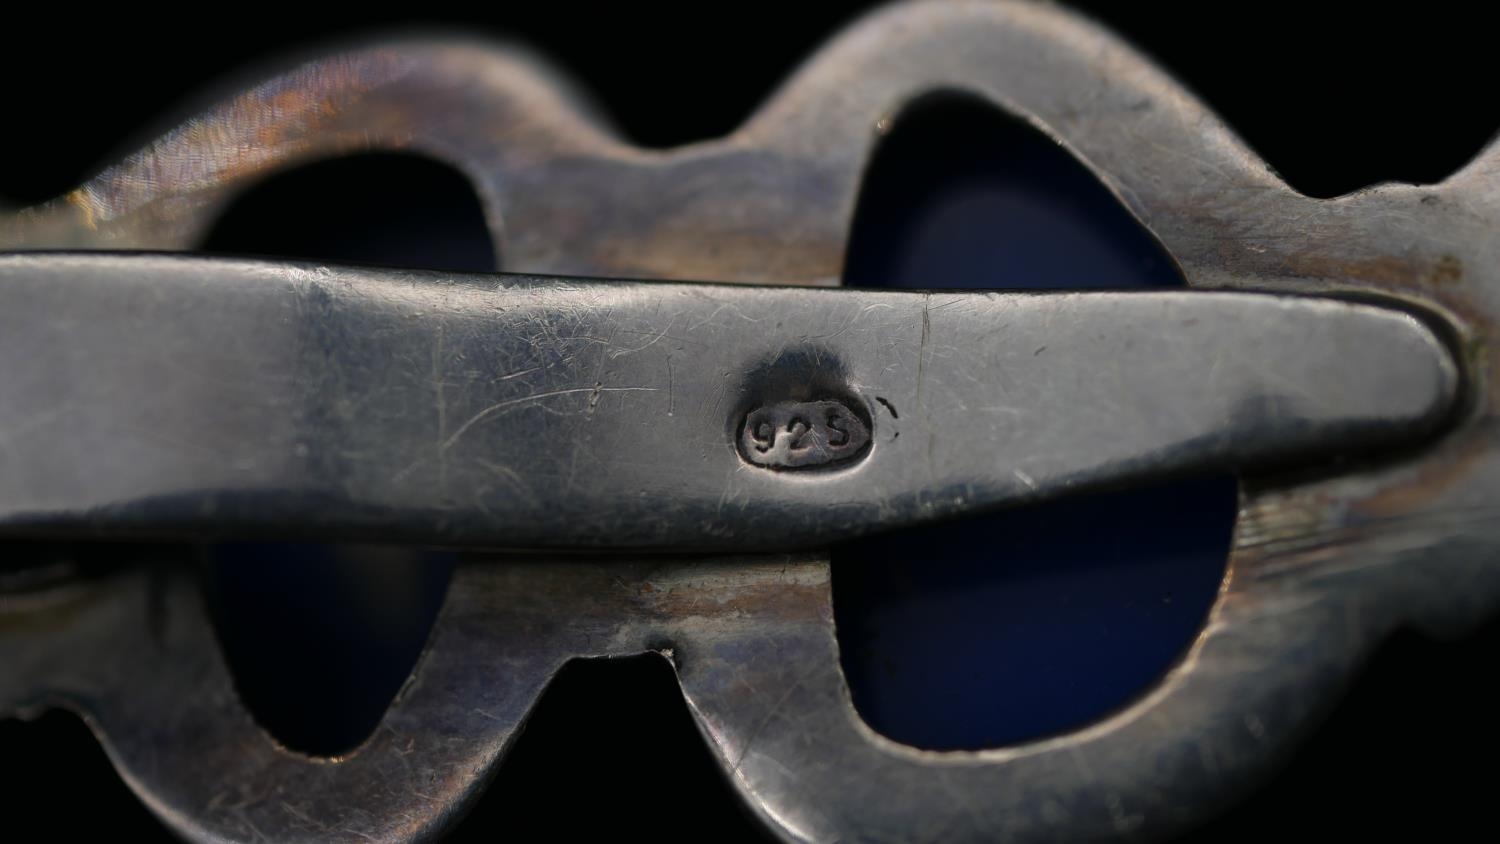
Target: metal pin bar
[{"x": 166, "y": 394}]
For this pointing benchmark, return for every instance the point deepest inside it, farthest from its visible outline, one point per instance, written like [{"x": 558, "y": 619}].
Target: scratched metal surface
[
  {"x": 211, "y": 397},
  {"x": 1320, "y": 571}
]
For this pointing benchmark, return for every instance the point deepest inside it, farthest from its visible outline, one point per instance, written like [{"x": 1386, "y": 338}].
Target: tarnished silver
[
  {"x": 806, "y": 434},
  {"x": 170, "y": 393},
  {"x": 1324, "y": 565}
]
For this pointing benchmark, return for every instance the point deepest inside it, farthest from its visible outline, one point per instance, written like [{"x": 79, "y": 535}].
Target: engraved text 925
[{"x": 792, "y": 435}]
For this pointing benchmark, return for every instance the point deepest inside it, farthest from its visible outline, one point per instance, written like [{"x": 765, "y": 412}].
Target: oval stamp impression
[{"x": 803, "y": 434}]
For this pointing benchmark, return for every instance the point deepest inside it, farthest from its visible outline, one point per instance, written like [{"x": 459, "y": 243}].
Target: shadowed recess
[
  {"x": 384, "y": 209},
  {"x": 319, "y": 637},
  {"x": 1002, "y": 628},
  {"x": 630, "y": 710},
  {"x": 53, "y": 766}
]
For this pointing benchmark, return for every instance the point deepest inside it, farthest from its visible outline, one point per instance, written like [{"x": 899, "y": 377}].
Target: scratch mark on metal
[
  {"x": 442, "y": 410},
  {"x": 499, "y": 406},
  {"x": 922, "y": 348},
  {"x": 671, "y": 384}
]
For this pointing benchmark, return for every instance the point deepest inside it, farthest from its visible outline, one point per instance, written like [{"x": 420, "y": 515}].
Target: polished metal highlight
[{"x": 1389, "y": 352}]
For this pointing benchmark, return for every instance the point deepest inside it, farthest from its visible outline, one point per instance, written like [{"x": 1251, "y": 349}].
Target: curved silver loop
[{"x": 1320, "y": 570}]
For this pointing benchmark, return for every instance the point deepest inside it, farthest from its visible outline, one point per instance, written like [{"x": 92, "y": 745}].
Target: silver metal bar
[{"x": 168, "y": 393}]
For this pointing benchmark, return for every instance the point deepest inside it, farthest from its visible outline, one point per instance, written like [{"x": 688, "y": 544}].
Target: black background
[{"x": 1335, "y": 97}]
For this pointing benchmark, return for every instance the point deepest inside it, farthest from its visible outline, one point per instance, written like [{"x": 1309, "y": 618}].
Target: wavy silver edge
[{"x": 1320, "y": 572}]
